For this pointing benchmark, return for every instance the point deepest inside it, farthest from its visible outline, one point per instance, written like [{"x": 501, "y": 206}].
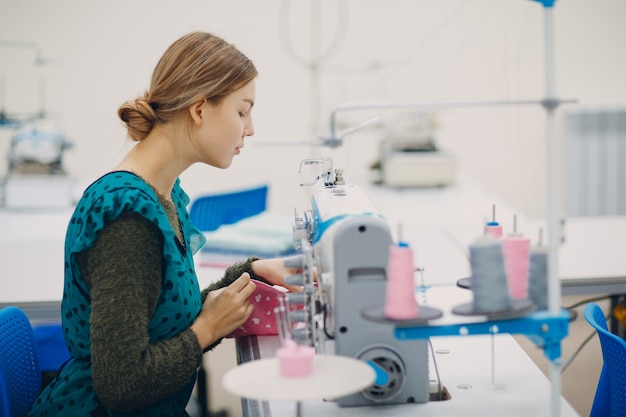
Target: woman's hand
[
  {"x": 274, "y": 270},
  {"x": 224, "y": 310}
]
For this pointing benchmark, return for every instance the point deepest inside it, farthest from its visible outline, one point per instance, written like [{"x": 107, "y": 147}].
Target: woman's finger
[{"x": 241, "y": 282}]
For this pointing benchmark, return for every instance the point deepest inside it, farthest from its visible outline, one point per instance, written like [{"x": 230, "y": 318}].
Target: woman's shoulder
[
  {"x": 114, "y": 181},
  {"x": 127, "y": 184},
  {"x": 106, "y": 199},
  {"x": 118, "y": 191}
]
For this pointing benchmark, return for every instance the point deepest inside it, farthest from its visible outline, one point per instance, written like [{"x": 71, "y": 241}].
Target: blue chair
[
  {"x": 53, "y": 352},
  {"x": 610, "y": 397},
  {"x": 209, "y": 212},
  {"x": 20, "y": 376}
]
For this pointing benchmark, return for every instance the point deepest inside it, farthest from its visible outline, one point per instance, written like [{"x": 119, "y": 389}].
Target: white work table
[
  {"x": 514, "y": 386},
  {"x": 438, "y": 223},
  {"x": 31, "y": 255},
  {"x": 464, "y": 365},
  {"x": 433, "y": 222},
  {"x": 592, "y": 255}
]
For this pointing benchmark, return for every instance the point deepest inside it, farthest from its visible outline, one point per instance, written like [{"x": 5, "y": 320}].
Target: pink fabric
[{"x": 262, "y": 320}]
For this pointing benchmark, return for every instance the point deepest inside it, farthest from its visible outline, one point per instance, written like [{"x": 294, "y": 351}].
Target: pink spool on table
[
  {"x": 400, "y": 301},
  {"x": 516, "y": 250},
  {"x": 295, "y": 360}
]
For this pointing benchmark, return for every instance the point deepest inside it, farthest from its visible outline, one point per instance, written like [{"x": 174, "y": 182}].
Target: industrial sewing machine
[
  {"x": 36, "y": 177},
  {"x": 347, "y": 241},
  {"x": 410, "y": 157}
]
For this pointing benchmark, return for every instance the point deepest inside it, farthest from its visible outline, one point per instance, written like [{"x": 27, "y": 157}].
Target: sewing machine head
[
  {"x": 346, "y": 239},
  {"x": 333, "y": 203}
]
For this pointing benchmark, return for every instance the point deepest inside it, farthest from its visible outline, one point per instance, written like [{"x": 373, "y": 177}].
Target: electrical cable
[
  {"x": 582, "y": 345},
  {"x": 430, "y": 344},
  {"x": 588, "y": 300},
  {"x": 432, "y": 352},
  {"x": 337, "y": 38},
  {"x": 580, "y": 348},
  {"x": 404, "y": 61},
  {"x": 454, "y": 53},
  {"x": 460, "y": 47},
  {"x": 425, "y": 41},
  {"x": 521, "y": 45},
  {"x": 325, "y": 326}
]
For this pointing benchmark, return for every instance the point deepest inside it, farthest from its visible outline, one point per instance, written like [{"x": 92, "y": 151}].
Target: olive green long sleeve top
[{"x": 123, "y": 271}]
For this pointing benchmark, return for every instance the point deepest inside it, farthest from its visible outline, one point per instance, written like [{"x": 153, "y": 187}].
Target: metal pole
[
  {"x": 382, "y": 105},
  {"x": 553, "y": 201}
]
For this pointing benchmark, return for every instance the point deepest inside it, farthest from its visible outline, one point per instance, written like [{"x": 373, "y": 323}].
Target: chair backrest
[
  {"x": 209, "y": 212},
  {"x": 19, "y": 362},
  {"x": 610, "y": 397},
  {"x": 50, "y": 341}
]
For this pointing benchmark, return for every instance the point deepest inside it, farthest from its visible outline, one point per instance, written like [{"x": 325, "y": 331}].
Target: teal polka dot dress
[{"x": 71, "y": 394}]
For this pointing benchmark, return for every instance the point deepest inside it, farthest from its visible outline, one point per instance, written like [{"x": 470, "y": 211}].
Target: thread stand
[
  {"x": 518, "y": 308},
  {"x": 332, "y": 377},
  {"x": 377, "y": 314},
  {"x": 543, "y": 328}
]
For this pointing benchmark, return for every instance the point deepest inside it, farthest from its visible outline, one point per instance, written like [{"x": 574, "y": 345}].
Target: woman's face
[{"x": 225, "y": 126}]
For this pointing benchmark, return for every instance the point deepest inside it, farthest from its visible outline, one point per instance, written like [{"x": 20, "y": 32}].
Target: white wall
[{"x": 102, "y": 53}]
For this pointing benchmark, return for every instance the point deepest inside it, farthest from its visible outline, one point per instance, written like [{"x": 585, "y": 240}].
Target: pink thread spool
[
  {"x": 516, "y": 250},
  {"x": 400, "y": 301},
  {"x": 493, "y": 227},
  {"x": 295, "y": 361}
]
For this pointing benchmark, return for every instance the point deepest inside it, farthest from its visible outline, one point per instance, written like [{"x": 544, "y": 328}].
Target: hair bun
[{"x": 139, "y": 117}]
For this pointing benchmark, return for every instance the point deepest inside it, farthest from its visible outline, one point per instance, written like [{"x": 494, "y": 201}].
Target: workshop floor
[{"x": 578, "y": 382}]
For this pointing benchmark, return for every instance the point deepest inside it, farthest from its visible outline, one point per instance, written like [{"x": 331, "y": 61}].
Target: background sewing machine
[
  {"x": 410, "y": 156},
  {"x": 347, "y": 241},
  {"x": 36, "y": 177}
]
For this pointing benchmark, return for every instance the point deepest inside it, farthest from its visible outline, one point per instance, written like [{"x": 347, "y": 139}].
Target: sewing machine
[
  {"x": 347, "y": 241},
  {"x": 410, "y": 156},
  {"x": 36, "y": 177}
]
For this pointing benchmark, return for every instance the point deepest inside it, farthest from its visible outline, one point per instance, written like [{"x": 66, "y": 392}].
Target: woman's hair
[{"x": 197, "y": 64}]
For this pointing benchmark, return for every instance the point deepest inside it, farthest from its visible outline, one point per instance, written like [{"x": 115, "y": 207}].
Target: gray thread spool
[
  {"x": 538, "y": 275},
  {"x": 489, "y": 285}
]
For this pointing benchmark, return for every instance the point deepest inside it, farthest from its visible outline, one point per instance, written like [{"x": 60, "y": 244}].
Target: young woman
[{"x": 135, "y": 321}]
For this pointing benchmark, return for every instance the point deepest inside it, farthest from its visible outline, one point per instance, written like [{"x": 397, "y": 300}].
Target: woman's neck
[{"x": 157, "y": 160}]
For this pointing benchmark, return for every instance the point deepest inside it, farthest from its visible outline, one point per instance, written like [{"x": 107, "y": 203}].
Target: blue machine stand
[{"x": 541, "y": 327}]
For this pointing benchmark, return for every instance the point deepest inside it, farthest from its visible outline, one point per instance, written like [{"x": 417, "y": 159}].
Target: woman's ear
[{"x": 197, "y": 111}]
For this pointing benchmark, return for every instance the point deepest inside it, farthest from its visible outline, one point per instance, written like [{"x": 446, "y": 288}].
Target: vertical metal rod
[
  {"x": 493, "y": 359},
  {"x": 314, "y": 64},
  {"x": 553, "y": 199}
]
